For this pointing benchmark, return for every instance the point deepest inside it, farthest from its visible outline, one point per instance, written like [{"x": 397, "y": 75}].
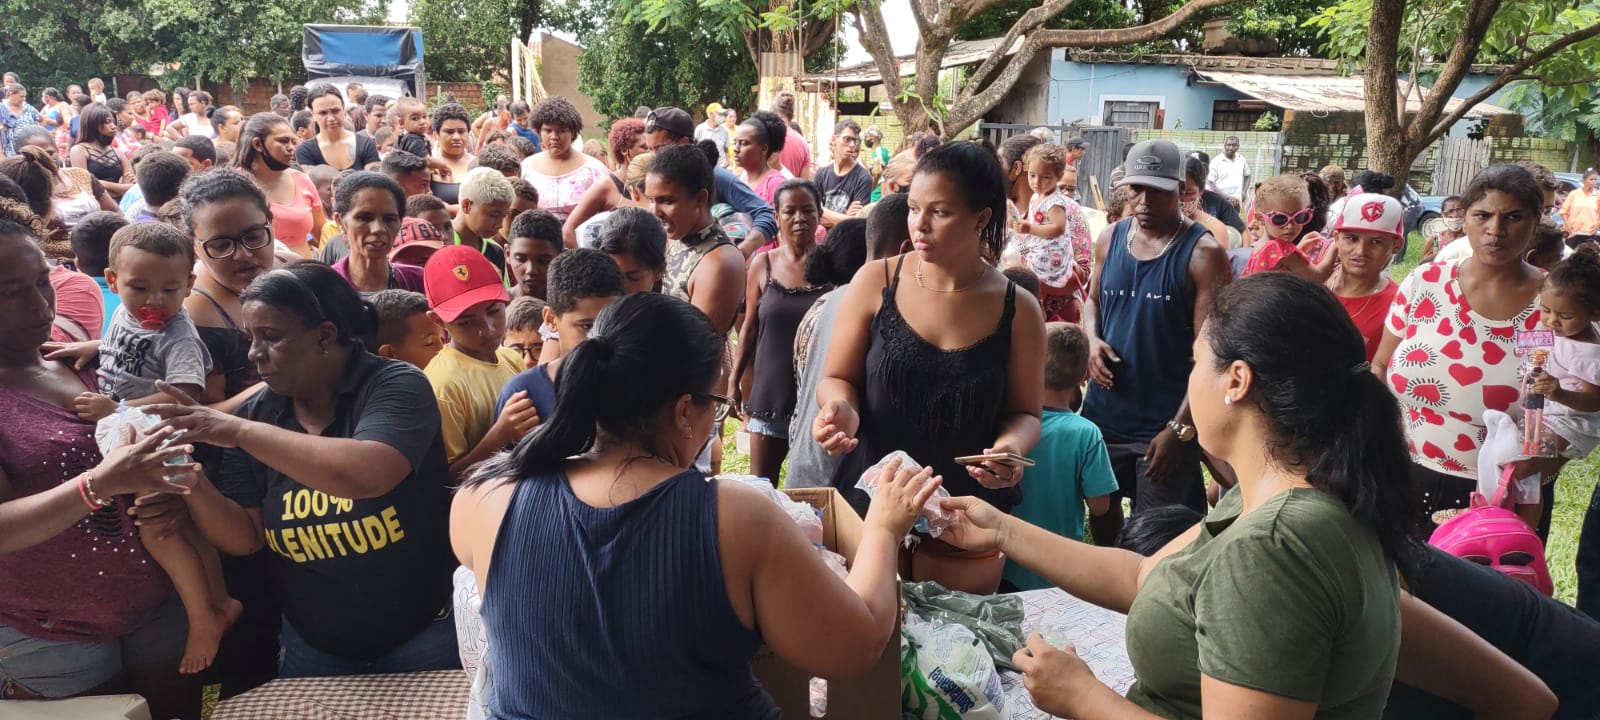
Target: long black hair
[
  {"x": 645, "y": 352},
  {"x": 982, "y": 181},
  {"x": 91, "y": 122},
  {"x": 1327, "y": 414},
  {"x": 316, "y": 294}
]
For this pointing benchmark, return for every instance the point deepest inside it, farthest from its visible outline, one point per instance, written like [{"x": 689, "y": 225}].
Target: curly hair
[
  {"x": 624, "y": 133},
  {"x": 450, "y": 111},
  {"x": 770, "y": 128},
  {"x": 1579, "y": 277},
  {"x": 1053, "y": 156},
  {"x": 557, "y": 111}
]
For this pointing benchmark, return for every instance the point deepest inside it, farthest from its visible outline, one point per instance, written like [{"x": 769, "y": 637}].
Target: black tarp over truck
[{"x": 387, "y": 60}]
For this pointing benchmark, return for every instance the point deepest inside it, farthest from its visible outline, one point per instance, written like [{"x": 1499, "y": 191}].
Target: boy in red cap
[{"x": 468, "y": 300}]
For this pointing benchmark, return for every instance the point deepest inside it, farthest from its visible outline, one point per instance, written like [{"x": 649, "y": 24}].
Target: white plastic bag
[
  {"x": 945, "y": 672},
  {"x": 934, "y": 519},
  {"x": 808, "y": 518}
]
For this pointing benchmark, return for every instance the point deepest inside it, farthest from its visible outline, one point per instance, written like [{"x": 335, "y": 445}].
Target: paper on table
[{"x": 1099, "y": 634}]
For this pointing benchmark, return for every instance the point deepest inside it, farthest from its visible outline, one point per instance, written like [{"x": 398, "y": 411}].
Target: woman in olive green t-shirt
[{"x": 1285, "y": 602}]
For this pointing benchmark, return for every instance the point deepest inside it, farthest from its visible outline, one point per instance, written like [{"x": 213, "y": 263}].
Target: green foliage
[
  {"x": 465, "y": 41},
  {"x": 1280, "y": 20},
  {"x": 1565, "y": 98},
  {"x": 1268, "y": 122},
  {"x": 628, "y": 64},
  {"x": 219, "y": 40}
]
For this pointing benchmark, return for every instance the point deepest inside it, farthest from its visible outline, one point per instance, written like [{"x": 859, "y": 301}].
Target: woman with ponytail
[
  {"x": 1285, "y": 603},
  {"x": 606, "y": 561},
  {"x": 266, "y": 150},
  {"x": 337, "y": 467}
]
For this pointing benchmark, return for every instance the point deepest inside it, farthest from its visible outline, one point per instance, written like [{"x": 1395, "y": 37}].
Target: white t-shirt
[
  {"x": 1229, "y": 177},
  {"x": 192, "y": 125}
]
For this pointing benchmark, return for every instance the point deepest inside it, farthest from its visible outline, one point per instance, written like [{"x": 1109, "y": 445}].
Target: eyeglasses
[
  {"x": 223, "y": 247},
  {"x": 848, "y": 140},
  {"x": 723, "y": 402},
  {"x": 1281, "y": 219}
]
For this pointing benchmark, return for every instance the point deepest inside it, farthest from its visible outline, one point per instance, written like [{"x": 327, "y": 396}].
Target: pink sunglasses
[{"x": 1281, "y": 219}]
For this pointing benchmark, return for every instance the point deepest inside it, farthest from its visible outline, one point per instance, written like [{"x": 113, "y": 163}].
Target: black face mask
[{"x": 271, "y": 162}]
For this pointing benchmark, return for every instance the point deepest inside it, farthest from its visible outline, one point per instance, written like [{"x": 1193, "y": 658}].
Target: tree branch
[
  {"x": 875, "y": 38},
  {"x": 1480, "y": 14},
  {"x": 964, "y": 113},
  {"x": 1511, "y": 74},
  {"x": 1130, "y": 35},
  {"x": 1029, "y": 22}
]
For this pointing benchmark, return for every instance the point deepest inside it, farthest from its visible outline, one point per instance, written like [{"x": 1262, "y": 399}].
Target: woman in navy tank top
[{"x": 619, "y": 582}]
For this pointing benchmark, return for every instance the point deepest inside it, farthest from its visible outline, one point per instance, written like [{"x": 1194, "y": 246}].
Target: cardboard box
[{"x": 873, "y": 695}]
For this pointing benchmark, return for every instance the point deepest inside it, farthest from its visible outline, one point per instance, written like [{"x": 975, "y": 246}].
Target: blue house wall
[{"x": 1079, "y": 92}]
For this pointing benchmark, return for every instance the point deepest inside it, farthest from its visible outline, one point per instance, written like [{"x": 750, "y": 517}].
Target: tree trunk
[{"x": 1387, "y": 149}]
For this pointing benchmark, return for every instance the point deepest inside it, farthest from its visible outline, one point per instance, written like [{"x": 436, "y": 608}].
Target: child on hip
[{"x": 151, "y": 268}]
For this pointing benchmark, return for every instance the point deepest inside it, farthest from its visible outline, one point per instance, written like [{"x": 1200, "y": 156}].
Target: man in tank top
[{"x": 1156, "y": 274}]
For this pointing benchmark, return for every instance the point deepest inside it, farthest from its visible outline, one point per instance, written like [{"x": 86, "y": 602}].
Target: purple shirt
[
  {"x": 94, "y": 582},
  {"x": 401, "y": 277}
]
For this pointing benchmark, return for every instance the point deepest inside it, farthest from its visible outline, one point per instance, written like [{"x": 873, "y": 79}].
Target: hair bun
[{"x": 1586, "y": 255}]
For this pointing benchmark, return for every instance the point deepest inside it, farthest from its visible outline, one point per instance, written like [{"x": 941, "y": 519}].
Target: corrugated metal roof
[{"x": 1317, "y": 92}]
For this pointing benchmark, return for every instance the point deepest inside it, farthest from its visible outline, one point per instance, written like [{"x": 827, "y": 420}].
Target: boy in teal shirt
[{"x": 1073, "y": 468}]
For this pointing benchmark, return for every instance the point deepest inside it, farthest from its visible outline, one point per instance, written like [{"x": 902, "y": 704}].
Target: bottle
[{"x": 1533, "y": 408}]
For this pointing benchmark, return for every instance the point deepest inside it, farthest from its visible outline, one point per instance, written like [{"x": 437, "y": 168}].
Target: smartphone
[{"x": 1005, "y": 457}]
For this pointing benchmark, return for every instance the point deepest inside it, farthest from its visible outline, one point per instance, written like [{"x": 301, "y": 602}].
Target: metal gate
[
  {"x": 1102, "y": 154},
  {"x": 1459, "y": 160}
]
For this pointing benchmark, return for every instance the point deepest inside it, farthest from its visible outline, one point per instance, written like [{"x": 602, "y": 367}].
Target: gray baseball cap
[{"x": 1154, "y": 163}]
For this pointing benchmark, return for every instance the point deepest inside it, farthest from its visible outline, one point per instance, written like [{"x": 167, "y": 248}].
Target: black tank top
[
  {"x": 779, "y": 310},
  {"x": 935, "y": 404},
  {"x": 103, "y": 163}
]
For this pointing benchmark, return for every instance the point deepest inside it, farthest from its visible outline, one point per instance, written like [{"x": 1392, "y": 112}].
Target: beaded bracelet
[{"x": 86, "y": 490}]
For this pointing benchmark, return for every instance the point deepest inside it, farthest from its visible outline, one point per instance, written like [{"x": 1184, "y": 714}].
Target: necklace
[
  {"x": 1129, "y": 245},
  {"x": 960, "y": 288}
]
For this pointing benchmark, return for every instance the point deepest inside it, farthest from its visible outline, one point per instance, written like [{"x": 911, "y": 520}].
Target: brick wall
[
  {"x": 1260, "y": 149},
  {"x": 256, "y": 95}
]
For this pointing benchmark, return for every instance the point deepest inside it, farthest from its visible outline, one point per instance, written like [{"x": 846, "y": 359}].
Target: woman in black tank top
[
  {"x": 97, "y": 127},
  {"x": 935, "y": 352},
  {"x": 777, "y": 295}
]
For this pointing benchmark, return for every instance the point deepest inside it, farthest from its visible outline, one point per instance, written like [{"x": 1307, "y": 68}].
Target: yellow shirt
[
  {"x": 467, "y": 390},
  {"x": 329, "y": 229}
]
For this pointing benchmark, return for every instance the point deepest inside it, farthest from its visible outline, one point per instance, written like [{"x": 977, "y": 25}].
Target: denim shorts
[
  {"x": 769, "y": 428},
  {"x": 60, "y": 669}
]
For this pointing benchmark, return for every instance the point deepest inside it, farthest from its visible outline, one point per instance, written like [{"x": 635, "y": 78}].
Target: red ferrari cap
[{"x": 458, "y": 277}]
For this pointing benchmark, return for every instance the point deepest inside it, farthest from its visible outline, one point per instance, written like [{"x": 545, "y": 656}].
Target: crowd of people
[{"x": 383, "y": 351}]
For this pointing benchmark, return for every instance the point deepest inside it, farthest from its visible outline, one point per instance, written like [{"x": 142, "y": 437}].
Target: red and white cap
[{"x": 1372, "y": 212}]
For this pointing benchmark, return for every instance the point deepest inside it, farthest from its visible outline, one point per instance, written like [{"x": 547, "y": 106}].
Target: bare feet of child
[{"x": 205, "y": 634}]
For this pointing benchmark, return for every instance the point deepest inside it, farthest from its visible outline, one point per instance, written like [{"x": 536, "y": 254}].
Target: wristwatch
[{"x": 1184, "y": 432}]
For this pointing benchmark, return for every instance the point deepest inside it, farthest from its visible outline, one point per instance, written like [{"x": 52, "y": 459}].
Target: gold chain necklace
[{"x": 962, "y": 288}]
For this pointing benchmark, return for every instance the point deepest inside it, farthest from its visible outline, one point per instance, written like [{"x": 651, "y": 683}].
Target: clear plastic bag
[
  {"x": 934, "y": 519},
  {"x": 108, "y": 433},
  {"x": 808, "y": 518}
]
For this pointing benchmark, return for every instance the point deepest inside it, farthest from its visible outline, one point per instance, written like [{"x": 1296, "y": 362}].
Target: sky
[{"x": 896, "y": 16}]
